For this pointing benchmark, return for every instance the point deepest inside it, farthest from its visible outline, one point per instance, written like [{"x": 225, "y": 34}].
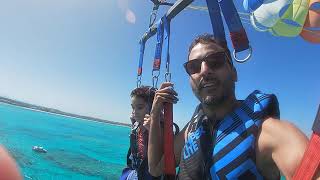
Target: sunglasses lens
[
  {"x": 215, "y": 61},
  {"x": 193, "y": 66}
]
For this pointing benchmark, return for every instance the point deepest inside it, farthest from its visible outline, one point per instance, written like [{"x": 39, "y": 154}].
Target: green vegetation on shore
[{"x": 55, "y": 111}]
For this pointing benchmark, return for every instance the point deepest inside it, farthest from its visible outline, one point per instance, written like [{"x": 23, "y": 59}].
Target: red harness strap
[
  {"x": 169, "y": 160},
  {"x": 142, "y": 142},
  {"x": 311, "y": 158}
]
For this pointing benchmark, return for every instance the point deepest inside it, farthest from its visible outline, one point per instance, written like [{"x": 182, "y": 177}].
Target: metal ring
[
  {"x": 154, "y": 81},
  {"x": 168, "y": 66},
  {"x": 153, "y": 74},
  {"x": 245, "y": 59},
  {"x": 138, "y": 81},
  {"x": 167, "y": 76},
  {"x": 155, "y": 78}
]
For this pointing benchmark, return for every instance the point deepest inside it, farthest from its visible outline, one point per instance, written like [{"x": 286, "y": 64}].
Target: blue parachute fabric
[
  {"x": 315, "y": 6},
  {"x": 251, "y": 5}
]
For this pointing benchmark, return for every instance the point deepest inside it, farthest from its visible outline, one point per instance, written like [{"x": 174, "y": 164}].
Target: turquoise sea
[{"x": 77, "y": 148}]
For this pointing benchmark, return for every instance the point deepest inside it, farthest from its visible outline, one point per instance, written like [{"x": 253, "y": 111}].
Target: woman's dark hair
[{"x": 145, "y": 92}]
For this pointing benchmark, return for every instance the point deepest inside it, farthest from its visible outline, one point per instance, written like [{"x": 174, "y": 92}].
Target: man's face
[{"x": 212, "y": 81}]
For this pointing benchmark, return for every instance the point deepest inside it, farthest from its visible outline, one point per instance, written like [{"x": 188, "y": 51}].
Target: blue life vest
[{"x": 226, "y": 150}]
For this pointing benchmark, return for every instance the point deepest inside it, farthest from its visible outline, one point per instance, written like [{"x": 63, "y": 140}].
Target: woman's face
[{"x": 139, "y": 108}]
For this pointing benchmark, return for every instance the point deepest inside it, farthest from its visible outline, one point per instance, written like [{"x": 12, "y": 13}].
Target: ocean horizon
[{"x": 77, "y": 148}]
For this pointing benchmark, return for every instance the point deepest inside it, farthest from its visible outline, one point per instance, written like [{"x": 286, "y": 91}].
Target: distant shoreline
[{"x": 56, "y": 112}]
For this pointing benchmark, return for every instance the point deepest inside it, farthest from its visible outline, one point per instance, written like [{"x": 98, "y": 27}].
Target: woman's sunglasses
[{"x": 213, "y": 61}]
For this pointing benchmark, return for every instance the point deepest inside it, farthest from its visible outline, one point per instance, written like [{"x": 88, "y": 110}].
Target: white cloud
[{"x": 129, "y": 14}]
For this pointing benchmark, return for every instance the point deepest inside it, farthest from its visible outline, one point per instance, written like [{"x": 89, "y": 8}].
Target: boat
[{"x": 39, "y": 149}]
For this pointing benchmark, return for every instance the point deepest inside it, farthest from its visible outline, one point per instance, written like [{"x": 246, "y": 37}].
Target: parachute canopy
[
  {"x": 292, "y": 21},
  {"x": 288, "y": 18},
  {"x": 281, "y": 17},
  {"x": 311, "y": 29}
]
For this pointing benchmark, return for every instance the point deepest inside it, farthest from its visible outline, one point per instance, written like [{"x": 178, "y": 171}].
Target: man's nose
[{"x": 205, "y": 69}]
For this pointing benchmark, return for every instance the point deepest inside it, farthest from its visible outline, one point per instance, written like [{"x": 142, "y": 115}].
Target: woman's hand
[
  {"x": 132, "y": 119},
  {"x": 146, "y": 122}
]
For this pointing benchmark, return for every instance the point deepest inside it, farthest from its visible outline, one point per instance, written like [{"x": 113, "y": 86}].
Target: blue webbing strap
[
  {"x": 139, "y": 74},
  {"x": 237, "y": 33},
  {"x": 142, "y": 47},
  {"x": 216, "y": 20},
  {"x": 166, "y": 25},
  {"x": 157, "y": 56}
]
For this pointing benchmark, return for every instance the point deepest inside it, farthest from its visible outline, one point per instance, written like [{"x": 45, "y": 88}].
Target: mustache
[{"x": 204, "y": 81}]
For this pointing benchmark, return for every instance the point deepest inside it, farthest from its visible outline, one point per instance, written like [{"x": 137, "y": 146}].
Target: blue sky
[{"x": 81, "y": 56}]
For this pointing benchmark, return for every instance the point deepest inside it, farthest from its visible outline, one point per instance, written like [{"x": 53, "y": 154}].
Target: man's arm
[
  {"x": 155, "y": 145},
  {"x": 284, "y": 143},
  {"x": 8, "y": 167},
  {"x": 157, "y": 168}
]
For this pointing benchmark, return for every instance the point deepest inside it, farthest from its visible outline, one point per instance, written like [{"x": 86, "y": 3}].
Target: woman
[{"x": 141, "y": 103}]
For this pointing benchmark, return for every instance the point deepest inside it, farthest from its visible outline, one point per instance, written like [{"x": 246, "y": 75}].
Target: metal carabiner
[
  {"x": 155, "y": 78},
  {"x": 155, "y": 81},
  {"x": 245, "y": 59},
  {"x": 153, "y": 15},
  {"x": 138, "y": 81},
  {"x": 167, "y": 76}
]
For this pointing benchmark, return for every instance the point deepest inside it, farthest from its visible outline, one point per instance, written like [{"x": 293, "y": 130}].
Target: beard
[
  {"x": 213, "y": 100},
  {"x": 214, "y": 97}
]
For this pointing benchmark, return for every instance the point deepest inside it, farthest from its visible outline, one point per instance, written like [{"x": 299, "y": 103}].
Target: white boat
[{"x": 39, "y": 149}]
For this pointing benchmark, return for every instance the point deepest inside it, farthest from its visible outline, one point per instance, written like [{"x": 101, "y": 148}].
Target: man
[
  {"x": 226, "y": 138},
  {"x": 8, "y": 167}
]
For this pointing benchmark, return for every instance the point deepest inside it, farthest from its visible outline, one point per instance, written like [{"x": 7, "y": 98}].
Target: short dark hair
[
  {"x": 145, "y": 92},
  {"x": 209, "y": 39}
]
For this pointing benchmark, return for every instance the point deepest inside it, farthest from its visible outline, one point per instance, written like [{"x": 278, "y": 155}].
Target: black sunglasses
[{"x": 213, "y": 61}]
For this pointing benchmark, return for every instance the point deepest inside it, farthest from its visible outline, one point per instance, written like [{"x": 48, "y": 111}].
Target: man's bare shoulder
[
  {"x": 279, "y": 131},
  {"x": 282, "y": 142}
]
